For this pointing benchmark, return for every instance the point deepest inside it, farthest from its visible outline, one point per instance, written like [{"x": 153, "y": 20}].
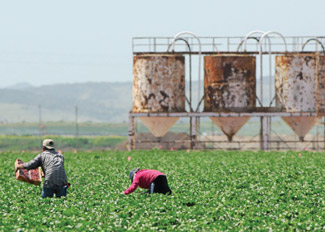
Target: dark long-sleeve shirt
[
  {"x": 143, "y": 179},
  {"x": 52, "y": 164}
]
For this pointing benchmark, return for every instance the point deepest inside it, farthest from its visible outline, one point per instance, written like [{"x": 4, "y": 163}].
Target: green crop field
[
  {"x": 34, "y": 143},
  {"x": 212, "y": 191}
]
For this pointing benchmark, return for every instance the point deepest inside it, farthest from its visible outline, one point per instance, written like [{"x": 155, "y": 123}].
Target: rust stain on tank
[
  {"x": 229, "y": 82},
  {"x": 295, "y": 82},
  {"x": 158, "y": 83},
  {"x": 299, "y": 87}
]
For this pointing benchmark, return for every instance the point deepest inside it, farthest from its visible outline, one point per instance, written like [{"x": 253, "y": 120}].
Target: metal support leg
[
  {"x": 261, "y": 133},
  {"x": 317, "y": 134},
  {"x": 264, "y": 133},
  {"x": 193, "y": 132},
  {"x": 324, "y": 132},
  {"x": 131, "y": 134},
  {"x": 269, "y": 131},
  {"x": 190, "y": 130}
]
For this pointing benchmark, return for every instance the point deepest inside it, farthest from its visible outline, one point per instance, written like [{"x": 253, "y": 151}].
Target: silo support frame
[
  {"x": 265, "y": 130},
  {"x": 265, "y": 116},
  {"x": 193, "y": 132}
]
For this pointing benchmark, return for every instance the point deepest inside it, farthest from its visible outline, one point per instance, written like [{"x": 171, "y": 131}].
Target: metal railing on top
[{"x": 225, "y": 44}]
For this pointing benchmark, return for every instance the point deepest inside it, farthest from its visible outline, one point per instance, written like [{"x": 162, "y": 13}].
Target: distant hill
[{"x": 96, "y": 102}]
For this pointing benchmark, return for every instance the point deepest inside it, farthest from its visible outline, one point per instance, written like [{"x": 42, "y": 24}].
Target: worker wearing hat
[
  {"x": 52, "y": 163},
  {"x": 153, "y": 180}
]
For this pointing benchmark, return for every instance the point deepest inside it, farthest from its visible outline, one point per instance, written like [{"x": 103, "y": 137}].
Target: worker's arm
[
  {"x": 34, "y": 163},
  {"x": 133, "y": 186}
]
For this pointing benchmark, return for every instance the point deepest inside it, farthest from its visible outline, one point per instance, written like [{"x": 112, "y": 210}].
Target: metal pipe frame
[
  {"x": 265, "y": 113},
  {"x": 252, "y": 33},
  {"x": 261, "y": 58},
  {"x": 209, "y": 43},
  {"x": 314, "y": 39},
  {"x": 266, "y": 122},
  {"x": 223, "y": 52},
  {"x": 194, "y": 117},
  {"x": 241, "y": 42},
  {"x": 226, "y": 114},
  {"x": 172, "y": 45}
]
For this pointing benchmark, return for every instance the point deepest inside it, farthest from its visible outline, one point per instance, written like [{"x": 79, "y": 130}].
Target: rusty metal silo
[
  {"x": 158, "y": 86},
  {"x": 298, "y": 78},
  {"x": 229, "y": 86}
]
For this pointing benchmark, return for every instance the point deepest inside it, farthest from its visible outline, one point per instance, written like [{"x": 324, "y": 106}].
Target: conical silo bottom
[
  {"x": 229, "y": 125},
  {"x": 300, "y": 125},
  {"x": 159, "y": 126}
]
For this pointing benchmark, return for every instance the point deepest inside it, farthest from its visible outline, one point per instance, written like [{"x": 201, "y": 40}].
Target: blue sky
[{"x": 45, "y": 42}]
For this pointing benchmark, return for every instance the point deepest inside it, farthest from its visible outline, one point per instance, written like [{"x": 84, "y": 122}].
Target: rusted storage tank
[
  {"x": 229, "y": 86},
  {"x": 158, "y": 86},
  {"x": 299, "y": 84}
]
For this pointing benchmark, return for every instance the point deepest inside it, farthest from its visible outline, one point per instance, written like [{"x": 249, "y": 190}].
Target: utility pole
[
  {"x": 40, "y": 122},
  {"x": 77, "y": 127}
]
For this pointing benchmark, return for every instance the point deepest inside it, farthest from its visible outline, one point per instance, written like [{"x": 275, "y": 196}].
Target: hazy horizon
[{"x": 18, "y": 84}]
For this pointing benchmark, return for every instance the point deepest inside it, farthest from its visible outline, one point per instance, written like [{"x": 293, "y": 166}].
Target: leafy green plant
[{"x": 212, "y": 191}]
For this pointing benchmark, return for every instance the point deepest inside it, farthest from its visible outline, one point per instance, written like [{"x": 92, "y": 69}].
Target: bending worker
[
  {"x": 153, "y": 180},
  {"x": 52, "y": 163}
]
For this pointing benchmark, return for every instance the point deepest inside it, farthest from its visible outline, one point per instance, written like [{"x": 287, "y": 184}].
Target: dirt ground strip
[{"x": 181, "y": 141}]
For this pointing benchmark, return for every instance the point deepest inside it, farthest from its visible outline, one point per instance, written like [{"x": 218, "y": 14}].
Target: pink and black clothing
[{"x": 153, "y": 180}]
